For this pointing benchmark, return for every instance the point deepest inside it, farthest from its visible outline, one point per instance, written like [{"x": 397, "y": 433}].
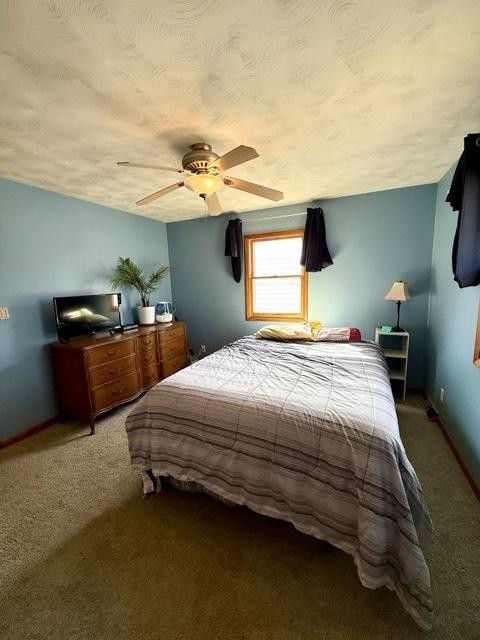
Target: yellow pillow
[{"x": 286, "y": 332}]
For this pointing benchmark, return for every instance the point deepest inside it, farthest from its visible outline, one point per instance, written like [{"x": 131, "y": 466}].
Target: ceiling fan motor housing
[{"x": 199, "y": 157}]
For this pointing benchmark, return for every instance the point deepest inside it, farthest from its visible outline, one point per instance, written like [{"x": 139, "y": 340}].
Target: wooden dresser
[{"x": 95, "y": 374}]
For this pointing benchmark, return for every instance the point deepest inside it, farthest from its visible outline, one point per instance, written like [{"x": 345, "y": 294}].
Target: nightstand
[{"x": 395, "y": 346}]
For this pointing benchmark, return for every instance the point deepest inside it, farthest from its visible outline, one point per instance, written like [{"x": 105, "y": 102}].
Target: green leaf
[{"x": 127, "y": 273}]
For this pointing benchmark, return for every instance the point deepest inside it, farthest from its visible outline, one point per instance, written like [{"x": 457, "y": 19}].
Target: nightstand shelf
[
  {"x": 395, "y": 346},
  {"x": 395, "y": 353}
]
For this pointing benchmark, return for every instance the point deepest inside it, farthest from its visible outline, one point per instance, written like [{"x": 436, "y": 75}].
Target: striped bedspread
[{"x": 305, "y": 432}]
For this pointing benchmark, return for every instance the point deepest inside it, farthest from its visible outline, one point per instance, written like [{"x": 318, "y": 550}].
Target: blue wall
[
  {"x": 374, "y": 239},
  {"x": 52, "y": 245},
  {"x": 453, "y": 316}
]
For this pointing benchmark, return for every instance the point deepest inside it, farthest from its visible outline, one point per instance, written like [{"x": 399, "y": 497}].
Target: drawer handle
[
  {"x": 113, "y": 353},
  {"x": 115, "y": 392},
  {"x": 113, "y": 372}
]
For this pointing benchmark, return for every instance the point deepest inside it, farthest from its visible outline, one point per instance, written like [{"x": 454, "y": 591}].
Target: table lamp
[{"x": 399, "y": 293}]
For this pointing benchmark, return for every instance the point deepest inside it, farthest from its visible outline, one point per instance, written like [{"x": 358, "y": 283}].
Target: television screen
[{"x": 83, "y": 315}]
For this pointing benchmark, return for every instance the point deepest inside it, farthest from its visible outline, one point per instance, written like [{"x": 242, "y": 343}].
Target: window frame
[{"x": 248, "y": 253}]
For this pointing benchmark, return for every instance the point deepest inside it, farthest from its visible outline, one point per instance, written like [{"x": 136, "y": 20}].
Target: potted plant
[{"x": 127, "y": 273}]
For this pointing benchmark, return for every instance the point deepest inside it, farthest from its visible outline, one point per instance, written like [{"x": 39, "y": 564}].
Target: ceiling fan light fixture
[{"x": 203, "y": 184}]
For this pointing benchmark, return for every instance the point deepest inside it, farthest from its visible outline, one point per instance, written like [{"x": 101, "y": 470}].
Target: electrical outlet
[
  {"x": 4, "y": 315},
  {"x": 442, "y": 394},
  {"x": 203, "y": 348}
]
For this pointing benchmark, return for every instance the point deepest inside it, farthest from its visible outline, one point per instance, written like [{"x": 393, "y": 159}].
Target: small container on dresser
[{"x": 94, "y": 374}]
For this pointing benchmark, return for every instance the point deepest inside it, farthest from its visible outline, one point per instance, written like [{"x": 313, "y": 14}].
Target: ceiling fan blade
[
  {"x": 255, "y": 189},
  {"x": 235, "y": 156},
  {"x": 213, "y": 205},
  {"x": 159, "y": 194},
  {"x": 148, "y": 166}
]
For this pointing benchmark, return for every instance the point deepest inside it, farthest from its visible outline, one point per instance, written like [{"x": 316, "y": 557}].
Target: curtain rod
[{"x": 287, "y": 215}]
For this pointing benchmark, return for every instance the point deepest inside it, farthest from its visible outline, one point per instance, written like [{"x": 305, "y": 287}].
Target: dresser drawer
[
  {"x": 175, "y": 331},
  {"x": 112, "y": 371},
  {"x": 172, "y": 348},
  {"x": 147, "y": 358},
  {"x": 172, "y": 365},
  {"x": 145, "y": 343},
  {"x": 149, "y": 376},
  {"x": 110, "y": 352},
  {"x": 110, "y": 394}
]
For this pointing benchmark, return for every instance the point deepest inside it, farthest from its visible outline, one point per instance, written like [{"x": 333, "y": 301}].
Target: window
[{"x": 275, "y": 283}]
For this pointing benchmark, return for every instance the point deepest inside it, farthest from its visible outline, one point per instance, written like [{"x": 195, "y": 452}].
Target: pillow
[
  {"x": 338, "y": 334},
  {"x": 286, "y": 332},
  {"x": 355, "y": 335}
]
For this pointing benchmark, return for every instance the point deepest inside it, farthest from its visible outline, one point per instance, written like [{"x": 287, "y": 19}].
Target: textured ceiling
[{"x": 338, "y": 97}]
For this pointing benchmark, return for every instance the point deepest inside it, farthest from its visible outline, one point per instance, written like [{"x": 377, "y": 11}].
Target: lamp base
[{"x": 398, "y": 328}]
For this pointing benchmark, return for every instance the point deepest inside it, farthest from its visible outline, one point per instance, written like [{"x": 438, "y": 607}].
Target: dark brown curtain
[
  {"x": 464, "y": 197},
  {"x": 315, "y": 253},
  {"x": 234, "y": 247}
]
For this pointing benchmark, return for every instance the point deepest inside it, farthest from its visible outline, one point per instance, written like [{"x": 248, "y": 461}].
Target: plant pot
[{"x": 146, "y": 315}]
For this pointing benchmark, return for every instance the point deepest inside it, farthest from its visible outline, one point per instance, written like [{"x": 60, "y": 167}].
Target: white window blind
[
  {"x": 279, "y": 295},
  {"x": 277, "y": 257}
]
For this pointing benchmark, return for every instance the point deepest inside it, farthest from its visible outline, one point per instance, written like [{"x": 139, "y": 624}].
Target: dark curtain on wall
[
  {"x": 464, "y": 197},
  {"x": 234, "y": 247},
  {"x": 315, "y": 253}
]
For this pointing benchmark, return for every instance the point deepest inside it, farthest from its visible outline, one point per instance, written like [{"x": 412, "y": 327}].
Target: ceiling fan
[{"x": 204, "y": 169}]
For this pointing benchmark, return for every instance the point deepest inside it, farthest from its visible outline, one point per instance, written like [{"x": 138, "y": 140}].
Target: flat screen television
[{"x": 83, "y": 315}]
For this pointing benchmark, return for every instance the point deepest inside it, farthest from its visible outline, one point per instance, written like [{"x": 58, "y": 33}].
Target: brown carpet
[{"x": 82, "y": 555}]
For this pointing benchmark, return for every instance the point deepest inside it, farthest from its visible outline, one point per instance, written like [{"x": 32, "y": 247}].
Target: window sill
[{"x": 277, "y": 317}]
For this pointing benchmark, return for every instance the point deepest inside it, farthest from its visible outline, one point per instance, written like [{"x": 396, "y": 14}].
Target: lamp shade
[
  {"x": 398, "y": 291},
  {"x": 203, "y": 183}
]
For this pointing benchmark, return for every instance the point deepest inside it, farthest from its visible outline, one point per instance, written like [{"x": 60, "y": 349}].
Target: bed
[{"x": 301, "y": 431}]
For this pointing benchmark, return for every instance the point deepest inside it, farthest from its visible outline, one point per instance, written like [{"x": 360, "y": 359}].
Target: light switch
[{"x": 4, "y": 315}]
